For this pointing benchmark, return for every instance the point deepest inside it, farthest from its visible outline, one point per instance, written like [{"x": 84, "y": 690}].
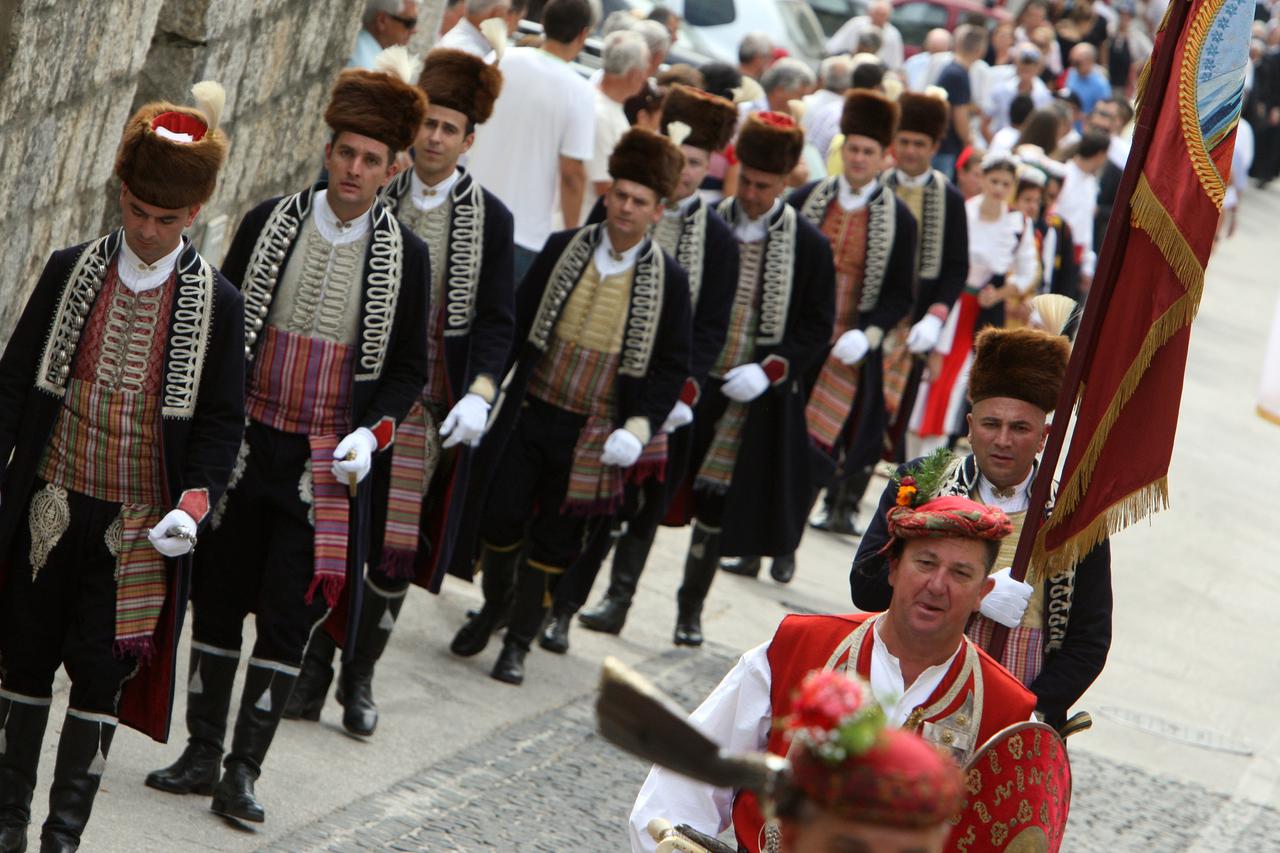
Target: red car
[{"x": 914, "y": 18}]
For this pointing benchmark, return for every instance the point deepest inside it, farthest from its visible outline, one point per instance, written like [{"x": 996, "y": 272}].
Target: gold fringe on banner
[
  {"x": 1129, "y": 510},
  {"x": 1150, "y": 214},
  {"x": 1196, "y": 33}
]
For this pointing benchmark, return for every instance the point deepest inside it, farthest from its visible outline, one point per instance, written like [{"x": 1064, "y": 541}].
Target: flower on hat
[{"x": 835, "y": 717}]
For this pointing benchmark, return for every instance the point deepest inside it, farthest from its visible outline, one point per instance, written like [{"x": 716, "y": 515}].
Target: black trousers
[
  {"x": 66, "y": 614},
  {"x": 261, "y": 557}
]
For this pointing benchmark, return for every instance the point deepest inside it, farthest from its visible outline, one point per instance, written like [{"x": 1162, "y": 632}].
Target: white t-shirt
[
  {"x": 545, "y": 112},
  {"x": 611, "y": 124}
]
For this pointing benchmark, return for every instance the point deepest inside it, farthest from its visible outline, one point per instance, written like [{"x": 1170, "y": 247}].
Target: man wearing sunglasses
[{"x": 385, "y": 23}]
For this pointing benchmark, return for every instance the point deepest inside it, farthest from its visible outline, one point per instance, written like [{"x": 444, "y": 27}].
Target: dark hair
[
  {"x": 1024, "y": 185},
  {"x": 869, "y": 41},
  {"x": 661, "y": 14},
  {"x": 1041, "y": 128},
  {"x": 1019, "y": 108},
  {"x": 564, "y": 20},
  {"x": 647, "y": 100},
  {"x": 721, "y": 78},
  {"x": 868, "y": 75},
  {"x": 1093, "y": 143}
]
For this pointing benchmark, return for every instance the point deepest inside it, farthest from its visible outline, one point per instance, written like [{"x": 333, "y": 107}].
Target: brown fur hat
[
  {"x": 381, "y": 104},
  {"x": 770, "y": 142},
  {"x": 648, "y": 159},
  {"x": 870, "y": 114},
  {"x": 460, "y": 81},
  {"x": 711, "y": 119},
  {"x": 170, "y": 173},
  {"x": 1025, "y": 364},
  {"x": 923, "y": 113}
]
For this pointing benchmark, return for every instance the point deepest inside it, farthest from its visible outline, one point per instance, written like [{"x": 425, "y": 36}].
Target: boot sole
[
  {"x": 506, "y": 679},
  {"x": 310, "y": 714},
  {"x": 220, "y": 808},
  {"x": 600, "y": 627},
  {"x": 554, "y": 648},
  {"x": 690, "y": 643},
  {"x": 204, "y": 790}
]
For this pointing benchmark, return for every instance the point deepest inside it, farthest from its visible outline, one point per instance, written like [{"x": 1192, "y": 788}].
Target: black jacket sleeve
[
  {"x": 405, "y": 371},
  {"x": 715, "y": 298},
  {"x": 869, "y": 576},
  {"x": 898, "y": 290},
  {"x": 495, "y": 297}
]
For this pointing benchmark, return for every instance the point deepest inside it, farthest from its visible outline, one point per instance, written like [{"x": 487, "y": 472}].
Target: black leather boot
[
  {"x": 312, "y": 687},
  {"x": 555, "y": 637},
  {"x": 82, "y": 759},
  {"x": 747, "y": 567},
  {"x": 509, "y": 667},
  {"x": 22, "y": 727},
  {"x": 783, "y": 567},
  {"x": 699, "y": 570},
  {"x": 497, "y": 582},
  {"x": 212, "y": 672},
  {"x": 839, "y": 512},
  {"x": 355, "y": 684},
  {"x": 266, "y": 689},
  {"x": 533, "y": 596},
  {"x": 629, "y": 556}
]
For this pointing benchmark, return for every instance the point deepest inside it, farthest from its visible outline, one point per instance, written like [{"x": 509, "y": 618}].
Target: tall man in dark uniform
[
  {"x": 751, "y": 452},
  {"x": 420, "y": 485},
  {"x": 121, "y": 408},
  {"x": 335, "y": 305},
  {"x": 604, "y": 323}
]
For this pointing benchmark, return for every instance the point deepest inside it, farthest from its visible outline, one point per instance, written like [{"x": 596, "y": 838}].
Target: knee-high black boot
[
  {"x": 209, "y": 683},
  {"x": 22, "y": 724},
  {"x": 355, "y": 684},
  {"x": 497, "y": 582},
  {"x": 534, "y": 593},
  {"x": 82, "y": 759},
  {"x": 312, "y": 686},
  {"x": 629, "y": 556},
  {"x": 266, "y": 689},
  {"x": 699, "y": 570}
]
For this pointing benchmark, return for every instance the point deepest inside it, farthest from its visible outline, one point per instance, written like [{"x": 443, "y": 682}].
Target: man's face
[
  {"x": 358, "y": 167},
  {"x": 398, "y": 29},
  {"x": 827, "y": 833},
  {"x": 153, "y": 232},
  {"x": 1028, "y": 202},
  {"x": 781, "y": 96},
  {"x": 1006, "y": 435},
  {"x": 442, "y": 139},
  {"x": 1084, "y": 62},
  {"x": 696, "y": 162},
  {"x": 913, "y": 151},
  {"x": 862, "y": 157},
  {"x": 630, "y": 208},
  {"x": 757, "y": 191},
  {"x": 937, "y": 585},
  {"x": 879, "y": 14},
  {"x": 1092, "y": 165},
  {"x": 1027, "y": 69},
  {"x": 1105, "y": 117}
]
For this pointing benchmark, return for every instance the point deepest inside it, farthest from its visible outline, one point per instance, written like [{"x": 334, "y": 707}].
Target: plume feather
[
  {"x": 395, "y": 60},
  {"x": 937, "y": 92},
  {"x": 796, "y": 108},
  {"x": 495, "y": 30},
  {"x": 1054, "y": 311},
  {"x": 678, "y": 132},
  {"x": 210, "y": 99}
]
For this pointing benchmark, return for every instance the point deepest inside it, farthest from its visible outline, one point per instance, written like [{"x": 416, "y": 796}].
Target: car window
[
  {"x": 914, "y": 20},
  {"x": 709, "y": 13}
]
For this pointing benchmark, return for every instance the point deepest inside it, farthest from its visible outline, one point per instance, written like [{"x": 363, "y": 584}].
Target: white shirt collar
[
  {"x": 333, "y": 229},
  {"x": 918, "y": 181},
  {"x": 137, "y": 275},
  {"x": 681, "y": 207},
  {"x": 430, "y": 197},
  {"x": 1018, "y": 501},
  {"x": 851, "y": 199},
  {"x": 754, "y": 230},
  {"x": 896, "y": 698},
  {"x": 608, "y": 262}
]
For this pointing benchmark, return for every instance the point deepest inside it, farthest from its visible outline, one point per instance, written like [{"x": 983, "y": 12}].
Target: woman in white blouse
[{"x": 1002, "y": 266}]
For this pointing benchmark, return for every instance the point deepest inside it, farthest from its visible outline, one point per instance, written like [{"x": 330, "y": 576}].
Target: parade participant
[
  {"x": 335, "y": 305},
  {"x": 1059, "y": 642},
  {"x": 926, "y": 676},
  {"x": 942, "y": 263},
  {"x": 750, "y": 463},
  {"x": 121, "y": 409},
  {"x": 604, "y": 323},
  {"x": 700, "y": 241},
  {"x": 1002, "y": 265},
  {"x": 1059, "y": 272},
  {"x": 873, "y": 241},
  {"x": 420, "y": 484}
]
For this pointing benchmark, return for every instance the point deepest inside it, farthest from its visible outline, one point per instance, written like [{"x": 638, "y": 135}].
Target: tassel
[
  {"x": 195, "y": 686},
  {"x": 210, "y": 99},
  {"x": 388, "y": 621},
  {"x": 495, "y": 31},
  {"x": 264, "y": 701},
  {"x": 99, "y": 764},
  {"x": 678, "y": 132},
  {"x": 395, "y": 60}
]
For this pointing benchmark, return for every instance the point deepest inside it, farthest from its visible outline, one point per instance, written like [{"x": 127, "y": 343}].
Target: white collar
[
  {"x": 897, "y": 698},
  {"x": 332, "y": 229},
  {"x": 138, "y": 275},
  {"x": 681, "y": 208},
  {"x": 851, "y": 199},
  {"x": 1018, "y": 501},
  {"x": 609, "y": 262},
  {"x": 430, "y": 197},
  {"x": 754, "y": 230},
  {"x": 918, "y": 181}
]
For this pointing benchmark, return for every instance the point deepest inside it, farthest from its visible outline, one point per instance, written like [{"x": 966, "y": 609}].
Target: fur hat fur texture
[
  {"x": 770, "y": 142},
  {"x": 169, "y": 156},
  {"x": 923, "y": 113},
  {"x": 382, "y": 104},
  {"x": 870, "y": 114},
  {"x": 711, "y": 119},
  {"x": 460, "y": 81},
  {"x": 1025, "y": 364},
  {"x": 648, "y": 159}
]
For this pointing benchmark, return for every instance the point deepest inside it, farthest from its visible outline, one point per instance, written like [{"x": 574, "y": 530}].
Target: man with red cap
[
  {"x": 924, "y": 673},
  {"x": 121, "y": 408}
]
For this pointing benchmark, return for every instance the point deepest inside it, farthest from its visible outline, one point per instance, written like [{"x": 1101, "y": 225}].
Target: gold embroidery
[{"x": 49, "y": 518}]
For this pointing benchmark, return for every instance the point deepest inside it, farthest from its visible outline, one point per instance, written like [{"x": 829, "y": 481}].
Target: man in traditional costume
[
  {"x": 604, "y": 322},
  {"x": 335, "y": 304},
  {"x": 121, "y": 408},
  {"x": 420, "y": 484},
  {"x": 873, "y": 241},
  {"x": 925, "y": 675},
  {"x": 1060, "y": 625},
  {"x": 751, "y": 456},
  {"x": 942, "y": 263},
  {"x": 694, "y": 234}
]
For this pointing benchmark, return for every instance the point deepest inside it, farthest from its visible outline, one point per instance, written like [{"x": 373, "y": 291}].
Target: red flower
[{"x": 825, "y": 700}]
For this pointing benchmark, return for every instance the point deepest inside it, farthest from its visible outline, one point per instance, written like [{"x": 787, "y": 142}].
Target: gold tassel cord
[{"x": 1129, "y": 510}]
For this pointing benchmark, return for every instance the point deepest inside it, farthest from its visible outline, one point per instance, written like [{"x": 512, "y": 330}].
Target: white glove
[
  {"x": 173, "y": 545},
  {"x": 851, "y": 347},
  {"x": 924, "y": 335},
  {"x": 745, "y": 382},
  {"x": 1007, "y": 601},
  {"x": 361, "y": 443},
  {"x": 681, "y": 415},
  {"x": 466, "y": 421},
  {"x": 621, "y": 448}
]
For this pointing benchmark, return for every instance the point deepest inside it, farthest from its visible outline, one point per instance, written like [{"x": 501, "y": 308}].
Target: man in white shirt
[
  {"x": 385, "y": 23},
  {"x": 921, "y": 70},
  {"x": 1078, "y": 200},
  {"x": 542, "y": 130},
  {"x": 821, "y": 119},
  {"x": 845, "y": 39},
  {"x": 625, "y": 62},
  {"x": 466, "y": 35},
  {"x": 1028, "y": 64}
]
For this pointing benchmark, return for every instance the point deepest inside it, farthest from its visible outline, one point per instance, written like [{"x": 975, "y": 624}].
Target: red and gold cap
[{"x": 945, "y": 517}]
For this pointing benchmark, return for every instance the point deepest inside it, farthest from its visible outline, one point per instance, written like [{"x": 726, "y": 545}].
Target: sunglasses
[{"x": 407, "y": 23}]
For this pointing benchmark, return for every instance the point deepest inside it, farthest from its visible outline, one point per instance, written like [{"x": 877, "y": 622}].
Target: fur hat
[
  {"x": 870, "y": 114},
  {"x": 648, "y": 159},
  {"x": 770, "y": 142},
  {"x": 461, "y": 81},
  {"x": 711, "y": 119},
  {"x": 1024, "y": 364},
  {"x": 923, "y": 113},
  {"x": 381, "y": 104},
  {"x": 169, "y": 156}
]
